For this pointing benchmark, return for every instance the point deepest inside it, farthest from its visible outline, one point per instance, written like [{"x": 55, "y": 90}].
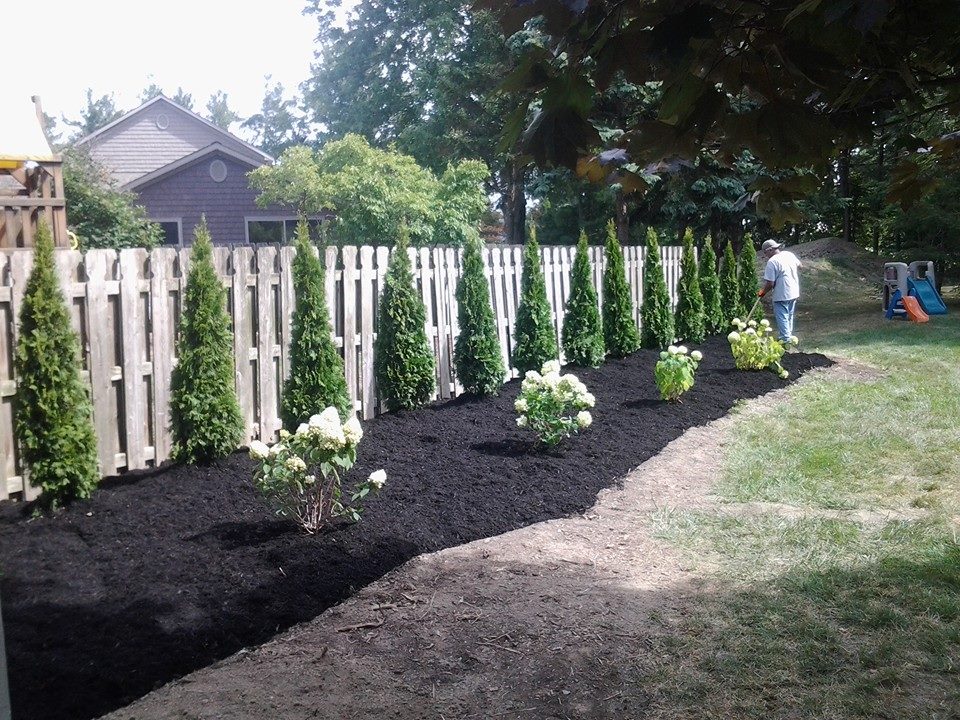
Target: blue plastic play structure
[{"x": 910, "y": 291}]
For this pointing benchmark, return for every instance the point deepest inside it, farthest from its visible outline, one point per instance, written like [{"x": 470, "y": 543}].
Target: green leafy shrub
[
  {"x": 316, "y": 368},
  {"x": 675, "y": 371},
  {"x": 656, "y": 317},
  {"x": 204, "y": 412},
  {"x": 582, "y": 334},
  {"x": 534, "y": 339},
  {"x": 403, "y": 361},
  {"x": 620, "y": 334},
  {"x": 52, "y": 415},
  {"x": 300, "y": 476},
  {"x": 730, "y": 286},
  {"x": 554, "y": 406},
  {"x": 477, "y": 358},
  {"x": 689, "y": 321},
  {"x": 747, "y": 279},
  {"x": 756, "y": 347},
  {"x": 710, "y": 288}
]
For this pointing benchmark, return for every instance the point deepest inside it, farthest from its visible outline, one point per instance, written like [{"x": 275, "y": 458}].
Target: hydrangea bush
[
  {"x": 675, "y": 371},
  {"x": 300, "y": 476},
  {"x": 755, "y": 347},
  {"x": 554, "y": 406}
]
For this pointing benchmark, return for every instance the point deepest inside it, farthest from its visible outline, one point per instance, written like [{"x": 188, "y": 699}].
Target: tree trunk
[
  {"x": 622, "y": 219},
  {"x": 514, "y": 204},
  {"x": 843, "y": 173},
  {"x": 876, "y": 222}
]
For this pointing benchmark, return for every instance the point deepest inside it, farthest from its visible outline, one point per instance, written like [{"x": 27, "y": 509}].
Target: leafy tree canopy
[
  {"x": 376, "y": 192},
  {"x": 219, "y": 111},
  {"x": 97, "y": 113},
  {"x": 278, "y": 125},
  {"x": 790, "y": 82}
]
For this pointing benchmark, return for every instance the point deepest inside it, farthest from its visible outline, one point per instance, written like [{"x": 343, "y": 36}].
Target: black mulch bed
[{"x": 163, "y": 573}]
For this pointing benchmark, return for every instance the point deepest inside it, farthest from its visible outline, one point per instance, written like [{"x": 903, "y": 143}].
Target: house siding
[
  {"x": 191, "y": 192},
  {"x": 137, "y": 146}
]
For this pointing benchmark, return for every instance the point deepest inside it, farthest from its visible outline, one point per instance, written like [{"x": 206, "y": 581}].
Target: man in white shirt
[{"x": 782, "y": 276}]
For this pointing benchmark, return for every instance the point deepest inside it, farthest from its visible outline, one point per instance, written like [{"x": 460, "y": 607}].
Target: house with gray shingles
[{"x": 181, "y": 167}]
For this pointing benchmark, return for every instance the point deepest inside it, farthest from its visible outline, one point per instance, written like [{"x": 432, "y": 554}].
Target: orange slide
[{"x": 914, "y": 311}]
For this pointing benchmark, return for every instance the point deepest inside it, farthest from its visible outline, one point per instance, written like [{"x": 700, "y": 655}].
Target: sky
[{"x": 120, "y": 47}]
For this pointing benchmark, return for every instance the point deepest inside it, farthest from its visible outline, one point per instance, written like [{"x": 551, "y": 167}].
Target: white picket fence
[{"x": 125, "y": 307}]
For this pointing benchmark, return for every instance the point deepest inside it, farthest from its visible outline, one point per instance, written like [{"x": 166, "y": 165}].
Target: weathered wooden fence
[{"x": 125, "y": 306}]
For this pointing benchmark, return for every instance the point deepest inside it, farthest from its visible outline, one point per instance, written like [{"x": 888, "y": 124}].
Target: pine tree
[
  {"x": 690, "y": 320},
  {"x": 403, "y": 360},
  {"x": 710, "y": 287},
  {"x": 316, "y": 369},
  {"x": 730, "y": 287},
  {"x": 476, "y": 353},
  {"x": 52, "y": 415},
  {"x": 620, "y": 334},
  {"x": 534, "y": 339},
  {"x": 656, "y": 317},
  {"x": 748, "y": 279},
  {"x": 582, "y": 335},
  {"x": 205, "y": 415}
]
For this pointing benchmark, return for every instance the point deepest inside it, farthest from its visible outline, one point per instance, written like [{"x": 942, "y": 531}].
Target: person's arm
[
  {"x": 767, "y": 287},
  {"x": 769, "y": 278}
]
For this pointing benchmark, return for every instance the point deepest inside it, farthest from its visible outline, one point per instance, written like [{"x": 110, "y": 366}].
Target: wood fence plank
[
  {"x": 510, "y": 256},
  {"x": 350, "y": 339},
  {"x": 243, "y": 340},
  {"x": 368, "y": 301},
  {"x": 287, "y": 305},
  {"x": 443, "y": 293},
  {"x": 133, "y": 329},
  {"x": 453, "y": 261},
  {"x": 101, "y": 363},
  {"x": 383, "y": 262},
  {"x": 163, "y": 294},
  {"x": 268, "y": 352}
]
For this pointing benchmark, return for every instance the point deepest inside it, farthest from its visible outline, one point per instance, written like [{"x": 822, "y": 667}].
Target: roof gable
[
  {"x": 186, "y": 161},
  {"x": 156, "y": 134}
]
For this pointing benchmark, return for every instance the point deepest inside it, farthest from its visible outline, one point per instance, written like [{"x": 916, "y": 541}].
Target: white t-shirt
[{"x": 783, "y": 270}]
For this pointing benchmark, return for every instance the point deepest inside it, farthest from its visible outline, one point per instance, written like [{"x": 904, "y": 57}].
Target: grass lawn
[{"x": 839, "y": 583}]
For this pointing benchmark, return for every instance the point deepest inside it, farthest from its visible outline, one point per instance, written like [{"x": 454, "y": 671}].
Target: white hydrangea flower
[
  {"x": 588, "y": 399},
  {"x": 352, "y": 431},
  {"x": 522, "y": 421},
  {"x": 682, "y": 350},
  {"x": 584, "y": 419},
  {"x": 295, "y": 464},
  {"x": 378, "y": 478},
  {"x": 752, "y": 323},
  {"x": 664, "y": 355},
  {"x": 784, "y": 374},
  {"x": 733, "y": 337},
  {"x": 309, "y": 479},
  {"x": 765, "y": 323},
  {"x": 550, "y": 366},
  {"x": 275, "y": 450},
  {"x": 751, "y": 331},
  {"x": 672, "y": 350},
  {"x": 532, "y": 375},
  {"x": 736, "y": 321},
  {"x": 697, "y": 355},
  {"x": 520, "y": 405},
  {"x": 551, "y": 379},
  {"x": 794, "y": 340},
  {"x": 259, "y": 450},
  {"x": 303, "y": 429}
]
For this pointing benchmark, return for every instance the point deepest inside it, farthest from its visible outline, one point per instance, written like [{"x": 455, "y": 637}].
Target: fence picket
[{"x": 128, "y": 328}]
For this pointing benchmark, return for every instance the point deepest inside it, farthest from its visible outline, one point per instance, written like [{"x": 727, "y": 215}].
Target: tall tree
[
  {"x": 316, "y": 379},
  {"x": 97, "y": 113},
  {"x": 656, "y": 315},
  {"x": 710, "y": 288},
  {"x": 620, "y": 333},
  {"x": 219, "y": 111},
  {"x": 582, "y": 335},
  {"x": 730, "y": 299},
  {"x": 150, "y": 92},
  {"x": 184, "y": 99},
  {"x": 53, "y": 415},
  {"x": 689, "y": 321},
  {"x": 204, "y": 411},
  {"x": 534, "y": 338},
  {"x": 476, "y": 353},
  {"x": 748, "y": 278},
  {"x": 278, "y": 125}
]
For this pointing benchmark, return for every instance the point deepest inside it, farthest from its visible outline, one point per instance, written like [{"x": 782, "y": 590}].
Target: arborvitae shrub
[
  {"x": 204, "y": 412},
  {"x": 747, "y": 278},
  {"x": 730, "y": 286},
  {"x": 316, "y": 379},
  {"x": 534, "y": 339},
  {"x": 403, "y": 361},
  {"x": 710, "y": 288},
  {"x": 476, "y": 353},
  {"x": 620, "y": 334},
  {"x": 582, "y": 334},
  {"x": 52, "y": 414},
  {"x": 690, "y": 320},
  {"x": 656, "y": 317}
]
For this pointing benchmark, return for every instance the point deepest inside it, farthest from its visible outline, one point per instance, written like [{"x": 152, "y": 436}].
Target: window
[
  {"x": 218, "y": 170},
  {"x": 171, "y": 231},
  {"x": 279, "y": 230}
]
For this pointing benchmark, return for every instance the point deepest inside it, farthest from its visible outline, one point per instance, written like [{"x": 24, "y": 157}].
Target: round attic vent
[
  {"x": 163, "y": 122},
  {"x": 218, "y": 170}
]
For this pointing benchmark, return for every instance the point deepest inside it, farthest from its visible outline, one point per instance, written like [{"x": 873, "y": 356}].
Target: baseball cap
[{"x": 771, "y": 245}]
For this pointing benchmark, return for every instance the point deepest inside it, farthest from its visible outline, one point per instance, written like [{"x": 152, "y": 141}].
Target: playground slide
[
  {"x": 914, "y": 311},
  {"x": 927, "y": 294}
]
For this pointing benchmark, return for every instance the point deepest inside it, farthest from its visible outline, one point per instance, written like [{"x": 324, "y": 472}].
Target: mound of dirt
[{"x": 842, "y": 253}]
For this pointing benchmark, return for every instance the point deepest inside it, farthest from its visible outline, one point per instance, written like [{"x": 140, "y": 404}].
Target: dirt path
[{"x": 555, "y": 620}]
